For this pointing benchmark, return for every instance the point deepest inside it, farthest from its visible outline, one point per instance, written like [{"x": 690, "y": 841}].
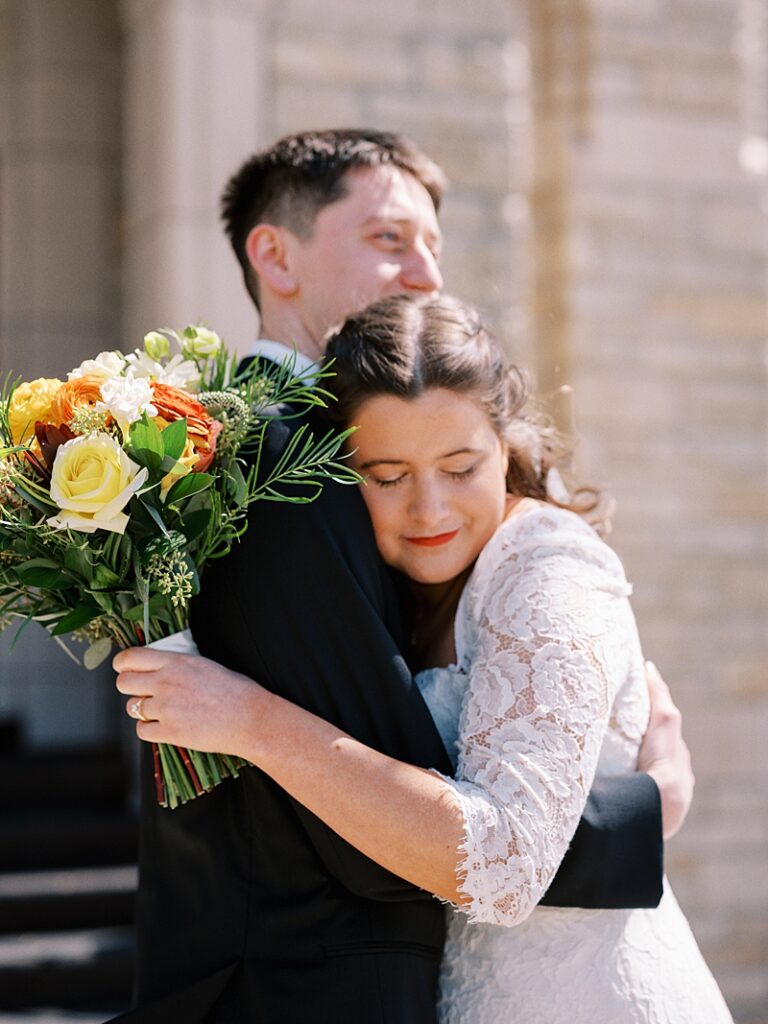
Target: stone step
[
  {"x": 54, "y": 1016},
  {"x": 87, "y": 971},
  {"x": 32, "y": 841},
  {"x": 69, "y": 899},
  {"x": 91, "y": 778}
]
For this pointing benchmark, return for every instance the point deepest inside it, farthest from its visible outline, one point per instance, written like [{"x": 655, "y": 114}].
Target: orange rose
[
  {"x": 174, "y": 404},
  {"x": 206, "y": 458},
  {"x": 85, "y": 390}
]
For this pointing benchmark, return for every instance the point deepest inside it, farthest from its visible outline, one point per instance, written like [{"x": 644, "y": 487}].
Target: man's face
[{"x": 382, "y": 238}]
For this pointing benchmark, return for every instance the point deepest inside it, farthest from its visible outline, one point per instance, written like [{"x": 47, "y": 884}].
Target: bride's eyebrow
[
  {"x": 401, "y": 462},
  {"x": 462, "y": 451},
  {"x": 382, "y": 462}
]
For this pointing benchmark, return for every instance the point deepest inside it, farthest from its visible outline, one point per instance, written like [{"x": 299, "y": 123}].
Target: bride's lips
[{"x": 432, "y": 542}]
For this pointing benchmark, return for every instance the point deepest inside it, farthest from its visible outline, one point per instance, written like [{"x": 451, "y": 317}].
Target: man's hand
[
  {"x": 664, "y": 754},
  {"x": 188, "y": 701}
]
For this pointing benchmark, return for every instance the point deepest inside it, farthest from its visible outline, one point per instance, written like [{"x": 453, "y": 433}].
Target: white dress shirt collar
[{"x": 276, "y": 351}]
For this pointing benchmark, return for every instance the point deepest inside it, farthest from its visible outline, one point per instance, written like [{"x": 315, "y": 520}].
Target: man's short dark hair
[{"x": 289, "y": 183}]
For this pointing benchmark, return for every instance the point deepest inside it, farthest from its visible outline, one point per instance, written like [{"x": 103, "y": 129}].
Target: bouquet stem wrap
[{"x": 182, "y": 774}]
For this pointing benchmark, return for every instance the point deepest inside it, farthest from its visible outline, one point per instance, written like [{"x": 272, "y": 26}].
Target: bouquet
[{"x": 120, "y": 484}]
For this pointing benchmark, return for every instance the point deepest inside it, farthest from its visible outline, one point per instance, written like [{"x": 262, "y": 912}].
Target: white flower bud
[
  {"x": 200, "y": 343},
  {"x": 156, "y": 345}
]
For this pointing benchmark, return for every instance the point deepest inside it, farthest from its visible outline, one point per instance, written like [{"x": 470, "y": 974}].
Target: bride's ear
[
  {"x": 267, "y": 253},
  {"x": 505, "y": 457}
]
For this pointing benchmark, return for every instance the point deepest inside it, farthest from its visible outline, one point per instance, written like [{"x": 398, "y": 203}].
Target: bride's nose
[{"x": 428, "y": 507}]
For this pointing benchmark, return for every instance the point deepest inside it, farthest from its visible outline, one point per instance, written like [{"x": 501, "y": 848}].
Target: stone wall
[
  {"x": 651, "y": 264},
  {"x": 607, "y": 211},
  {"x": 452, "y": 76}
]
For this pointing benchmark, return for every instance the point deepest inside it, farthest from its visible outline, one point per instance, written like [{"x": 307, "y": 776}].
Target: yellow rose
[
  {"x": 31, "y": 402},
  {"x": 92, "y": 481}
]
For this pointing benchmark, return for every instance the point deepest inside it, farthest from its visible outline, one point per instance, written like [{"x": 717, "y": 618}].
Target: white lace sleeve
[{"x": 548, "y": 609}]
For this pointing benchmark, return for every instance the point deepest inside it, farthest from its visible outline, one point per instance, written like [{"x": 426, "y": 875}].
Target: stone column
[
  {"x": 60, "y": 295},
  {"x": 60, "y": 165},
  {"x": 194, "y": 98}
]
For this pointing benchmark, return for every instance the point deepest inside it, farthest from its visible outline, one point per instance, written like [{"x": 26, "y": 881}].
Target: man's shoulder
[{"x": 288, "y": 431}]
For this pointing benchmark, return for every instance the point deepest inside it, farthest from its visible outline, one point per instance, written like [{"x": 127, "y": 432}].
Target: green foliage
[
  {"x": 174, "y": 438},
  {"x": 145, "y": 445},
  {"x": 186, "y": 486},
  {"x": 132, "y": 588},
  {"x": 8, "y": 386}
]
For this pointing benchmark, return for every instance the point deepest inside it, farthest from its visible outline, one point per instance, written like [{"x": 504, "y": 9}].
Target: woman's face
[{"x": 435, "y": 471}]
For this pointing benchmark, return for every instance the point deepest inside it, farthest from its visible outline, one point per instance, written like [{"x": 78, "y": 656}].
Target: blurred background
[{"x": 608, "y": 162}]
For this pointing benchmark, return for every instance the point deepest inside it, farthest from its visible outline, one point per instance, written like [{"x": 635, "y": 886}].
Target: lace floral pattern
[
  {"x": 545, "y": 617},
  {"x": 552, "y": 691}
]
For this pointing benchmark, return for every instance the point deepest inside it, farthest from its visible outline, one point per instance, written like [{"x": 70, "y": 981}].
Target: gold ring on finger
[{"x": 136, "y": 709}]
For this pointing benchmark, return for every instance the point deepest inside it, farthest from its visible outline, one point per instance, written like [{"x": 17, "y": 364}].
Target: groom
[{"x": 250, "y": 909}]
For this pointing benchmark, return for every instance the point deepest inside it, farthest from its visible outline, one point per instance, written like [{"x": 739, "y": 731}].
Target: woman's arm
[
  {"x": 405, "y": 818},
  {"x": 533, "y": 725}
]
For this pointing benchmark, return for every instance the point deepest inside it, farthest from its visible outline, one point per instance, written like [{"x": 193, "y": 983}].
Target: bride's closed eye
[
  {"x": 461, "y": 474},
  {"x": 385, "y": 483},
  {"x": 454, "y": 474}
]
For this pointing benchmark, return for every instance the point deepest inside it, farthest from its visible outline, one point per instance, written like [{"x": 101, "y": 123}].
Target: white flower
[
  {"x": 156, "y": 345},
  {"x": 106, "y": 364},
  {"x": 200, "y": 343},
  {"x": 92, "y": 481},
  {"x": 126, "y": 399},
  {"x": 178, "y": 372}
]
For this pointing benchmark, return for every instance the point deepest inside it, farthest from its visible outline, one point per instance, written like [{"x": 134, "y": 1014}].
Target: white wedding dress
[{"x": 548, "y": 690}]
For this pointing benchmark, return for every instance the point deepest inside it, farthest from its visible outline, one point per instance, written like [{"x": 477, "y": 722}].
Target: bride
[{"x": 532, "y": 669}]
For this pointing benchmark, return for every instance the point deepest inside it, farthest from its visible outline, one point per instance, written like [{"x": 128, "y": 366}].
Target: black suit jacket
[{"x": 251, "y": 909}]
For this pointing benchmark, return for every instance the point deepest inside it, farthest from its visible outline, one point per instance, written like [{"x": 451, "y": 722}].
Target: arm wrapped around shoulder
[{"x": 552, "y": 648}]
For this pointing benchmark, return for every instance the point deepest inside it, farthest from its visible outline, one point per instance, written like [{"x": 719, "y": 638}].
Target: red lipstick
[{"x": 432, "y": 542}]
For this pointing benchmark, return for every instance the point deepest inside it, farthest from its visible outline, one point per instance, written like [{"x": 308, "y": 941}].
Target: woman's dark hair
[{"x": 405, "y": 345}]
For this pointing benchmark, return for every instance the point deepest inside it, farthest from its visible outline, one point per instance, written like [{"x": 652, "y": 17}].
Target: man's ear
[{"x": 267, "y": 254}]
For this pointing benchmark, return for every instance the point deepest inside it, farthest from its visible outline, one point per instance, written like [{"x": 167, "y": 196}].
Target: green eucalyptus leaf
[
  {"x": 77, "y": 562},
  {"x": 195, "y": 523},
  {"x": 188, "y": 485},
  {"x": 142, "y": 589},
  {"x": 123, "y": 556},
  {"x": 147, "y": 457},
  {"x": 104, "y": 600},
  {"x": 174, "y": 439},
  {"x": 236, "y": 485},
  {"x": 104, "y": 578},
  {"x": 144, "y": 434},
  {"x": 42, "y": 572},
  {"x": 97, "y": 653},
  {"x": 76, "y": 619},
  {"x": 141, "y": 521},
  {"x": 155, "y": 516},
  {"x": 169, "y": 465}
]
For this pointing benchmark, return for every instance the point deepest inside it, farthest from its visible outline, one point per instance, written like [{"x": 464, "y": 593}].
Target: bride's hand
[
  {"x": 664, "y": 754},
  {"x": 187, "y": 700}
]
